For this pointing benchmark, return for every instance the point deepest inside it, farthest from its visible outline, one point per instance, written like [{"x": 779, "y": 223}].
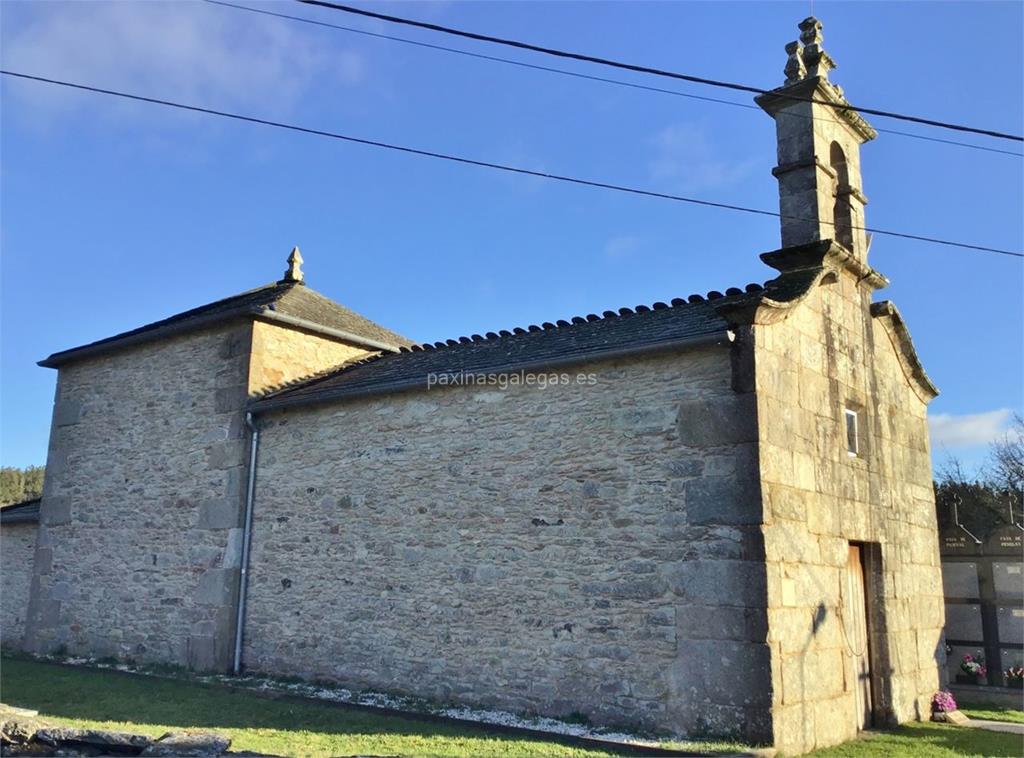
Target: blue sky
[{"x": 115, "y": 214}]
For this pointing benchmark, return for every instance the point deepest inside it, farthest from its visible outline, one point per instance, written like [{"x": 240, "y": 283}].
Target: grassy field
[{"x": 108, "y": 700}]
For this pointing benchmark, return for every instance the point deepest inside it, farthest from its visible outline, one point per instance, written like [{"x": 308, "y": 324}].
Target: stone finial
[
  {"x": 294, "y": 272},
  {"x": 795, "y": 69},
  {"x": 817, "y": 61},
  {"x": 810, "y": 31}
]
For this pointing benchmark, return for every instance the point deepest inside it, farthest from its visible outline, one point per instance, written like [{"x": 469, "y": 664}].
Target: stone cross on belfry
[
  {"x": 294, "y": 272},
  {"x": 807, "y": 57},
  {"x": 818, "y": 62}
]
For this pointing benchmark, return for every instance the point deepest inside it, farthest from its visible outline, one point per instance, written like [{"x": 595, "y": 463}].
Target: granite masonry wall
[
  {"x": 17, "y": 549},
  {"x": 281, "y": 355},
  {"x": 139, "y": 545},
  {"x": 587, "y": 549},
  {"x": 140, "y": 533},
  {"x": 828, "y": 355}
]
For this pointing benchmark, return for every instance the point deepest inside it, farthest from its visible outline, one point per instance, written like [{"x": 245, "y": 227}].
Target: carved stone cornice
[
  {"x": 891, "y": 320},
  {"x": 826, "y": 254},
  {"x": 818, "y": 89}
]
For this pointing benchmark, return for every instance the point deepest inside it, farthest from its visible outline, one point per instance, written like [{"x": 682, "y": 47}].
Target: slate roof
[
  {"x": 287, "y": 299},
  {"x": 24, "y": 512},
  {"x": 698, "y": 319}
]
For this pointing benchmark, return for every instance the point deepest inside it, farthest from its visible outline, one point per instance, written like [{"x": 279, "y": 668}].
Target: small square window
[{"x": 852, "y": 436}]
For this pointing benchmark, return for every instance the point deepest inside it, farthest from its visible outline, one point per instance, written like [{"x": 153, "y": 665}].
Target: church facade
[{"x": 712, "y": 516}]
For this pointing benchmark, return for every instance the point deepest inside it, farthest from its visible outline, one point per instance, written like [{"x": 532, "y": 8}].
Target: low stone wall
[{"x": 17, "y": 548}]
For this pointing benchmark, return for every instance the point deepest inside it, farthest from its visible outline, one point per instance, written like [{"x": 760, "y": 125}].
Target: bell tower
[{"x": 819, "y": 137}]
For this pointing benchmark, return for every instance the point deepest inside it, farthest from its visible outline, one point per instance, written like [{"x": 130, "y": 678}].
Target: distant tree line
[
  {"x": 989, "y": 499},
  {"x": 17, "y": 484}
]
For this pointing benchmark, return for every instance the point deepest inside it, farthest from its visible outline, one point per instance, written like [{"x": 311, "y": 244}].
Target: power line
[
  {"x": 489, "y": 164},
  {"x": 649, "y": 70},
  {"x": 578, "y": 75}
]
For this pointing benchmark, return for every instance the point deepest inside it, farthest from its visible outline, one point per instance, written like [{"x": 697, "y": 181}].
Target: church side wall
[
  {"x": 139, "y": 540},
  {"x": 579, "y": 549},
  {"x": 17, "y": 549},
  {"x": 829, "y": 355}
]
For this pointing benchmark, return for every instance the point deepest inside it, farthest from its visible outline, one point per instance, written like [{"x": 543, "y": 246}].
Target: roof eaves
[
  {"x": 24, "y": 512},
  {"x": 173, "y": 328},
  {"x": 56, "y": 360}
]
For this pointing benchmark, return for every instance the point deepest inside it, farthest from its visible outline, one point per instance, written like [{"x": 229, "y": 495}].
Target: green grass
[
  {"x": 991, "y": 712},
  {"x": 109, "y": 700},
  {"x": 927, "y": 739}
]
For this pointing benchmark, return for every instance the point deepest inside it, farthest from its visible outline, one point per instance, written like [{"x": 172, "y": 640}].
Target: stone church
[{"x": 712, "y": 516}]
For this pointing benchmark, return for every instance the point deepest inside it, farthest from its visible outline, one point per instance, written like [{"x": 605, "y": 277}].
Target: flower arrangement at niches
[
  {"x": 1014, "y": 676},
  {"x": 974, "y": 666},
  {"x": 943, "y": 702}
]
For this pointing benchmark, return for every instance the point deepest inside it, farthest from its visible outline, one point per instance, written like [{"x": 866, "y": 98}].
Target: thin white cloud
[
  {"x": 949, "y": 431},
  {"x": 618, "y": 248},
  {"x": 686, "y": 159},
  {"x": 517, "y": 153},
  {"x": 192, "y": 52}
]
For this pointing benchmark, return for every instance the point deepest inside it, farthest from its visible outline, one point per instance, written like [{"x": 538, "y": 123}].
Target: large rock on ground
[
  {"x": 18, "y": 725},
  {"x": 22, "y": 733},
  {"x": 189, "y": 744},
  {"x": 114, "y": 743}
]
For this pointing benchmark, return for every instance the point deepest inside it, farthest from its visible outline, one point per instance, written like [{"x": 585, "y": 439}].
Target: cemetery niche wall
[{"x": 983, "y": 585}]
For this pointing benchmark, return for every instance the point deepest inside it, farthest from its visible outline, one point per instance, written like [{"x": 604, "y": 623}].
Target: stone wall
[
  {"x": 281, "y": 355},
  {"x": 830, "y": 354},
  {"x": 585, "y": 550},
  {"x": 140, "y": 528},
  {"x": 17, "y": 549},
  {"x": 139, "y": 545}
]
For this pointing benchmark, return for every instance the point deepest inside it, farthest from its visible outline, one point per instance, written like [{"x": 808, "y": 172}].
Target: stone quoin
[{"x": 727, "y": 528}]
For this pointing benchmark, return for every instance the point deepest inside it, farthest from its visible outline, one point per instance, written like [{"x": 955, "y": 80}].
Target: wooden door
[{"x": 856, "y": 628}]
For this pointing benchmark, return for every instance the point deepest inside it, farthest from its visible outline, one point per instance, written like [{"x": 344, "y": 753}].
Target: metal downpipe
[{"x": 243, "y": 579}]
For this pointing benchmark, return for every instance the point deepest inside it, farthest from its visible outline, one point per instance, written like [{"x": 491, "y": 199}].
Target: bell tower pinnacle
[{"x": 819, "y": 137}]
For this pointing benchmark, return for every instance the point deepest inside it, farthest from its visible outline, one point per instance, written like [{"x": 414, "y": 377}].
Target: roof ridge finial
[{"x": 294, "y": 272}]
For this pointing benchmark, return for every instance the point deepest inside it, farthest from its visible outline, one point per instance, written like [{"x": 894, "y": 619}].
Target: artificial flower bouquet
[{"x": 973, "y": 668}]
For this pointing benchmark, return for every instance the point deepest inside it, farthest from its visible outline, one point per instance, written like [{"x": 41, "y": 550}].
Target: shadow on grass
[{"x": 96, "y": 695}]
